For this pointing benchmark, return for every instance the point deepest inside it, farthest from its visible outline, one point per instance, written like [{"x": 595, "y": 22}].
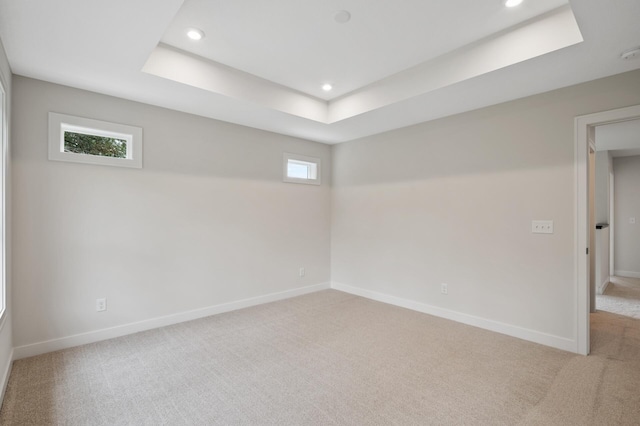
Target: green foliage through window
[{"x": 80, "y": 143}]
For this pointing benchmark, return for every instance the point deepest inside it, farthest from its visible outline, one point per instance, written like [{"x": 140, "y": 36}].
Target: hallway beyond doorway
[{"x": 621, "y": 297}]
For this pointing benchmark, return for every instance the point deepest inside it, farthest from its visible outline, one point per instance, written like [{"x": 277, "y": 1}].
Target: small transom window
[
  {"x": 84, "y": 140},
  {"x": 301, "y": 169}
]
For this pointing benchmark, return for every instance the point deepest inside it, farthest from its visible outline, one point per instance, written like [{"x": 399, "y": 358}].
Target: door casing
[{"x": 583, "y": 124}]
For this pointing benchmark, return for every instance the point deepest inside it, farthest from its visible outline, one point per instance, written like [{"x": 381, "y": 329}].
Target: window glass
[
  {"x": 85, "y": 140},
  {"x": 301, "y": 169},
  {"x": 81, "y": 143}
]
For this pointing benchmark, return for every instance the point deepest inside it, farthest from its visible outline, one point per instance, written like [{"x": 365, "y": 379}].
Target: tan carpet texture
[{"x": 330, "y": 358}]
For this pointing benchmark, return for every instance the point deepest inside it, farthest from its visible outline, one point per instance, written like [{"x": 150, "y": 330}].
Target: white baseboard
[
  {"x": 628, "y": 274},
  {"x": 558, "y": 342},
  {"x": 6, "y": 372},
  {"x": 125, "y": 329},
  {"x": 602, "y": 287}
]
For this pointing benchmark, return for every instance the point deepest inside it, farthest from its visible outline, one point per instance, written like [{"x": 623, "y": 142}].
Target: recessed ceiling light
[
  {"x": 512, "y": 3},
  {"x": 327, "y": 87},
  {"x": 342, "y": 17},
  {"x": 195, "y": 33},
  {"x": 631, "y": 53}
]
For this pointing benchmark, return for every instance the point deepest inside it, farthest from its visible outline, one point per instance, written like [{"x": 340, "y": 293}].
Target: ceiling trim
[
  {"x": 541, "y": 35},
  {"x": 544, "y": 34},
  {"x": 183, "y": 67}
]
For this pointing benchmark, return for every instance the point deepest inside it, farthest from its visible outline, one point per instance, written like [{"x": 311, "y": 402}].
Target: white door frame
[{"x": 581, "y": 259}]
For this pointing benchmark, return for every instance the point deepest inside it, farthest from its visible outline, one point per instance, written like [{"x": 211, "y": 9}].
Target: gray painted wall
[
  {"x": 452, "y": 200},
  {"x": 626, "y": 171},
  {"x": 604, "y": 170},
  {"x": 207, "y": 220},
  {"x": 604, "y": 164}
]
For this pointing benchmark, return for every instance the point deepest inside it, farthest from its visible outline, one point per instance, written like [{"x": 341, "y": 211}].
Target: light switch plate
[
  {"x": 101, "y": 304},
  {"x": 542, "y": 227}
]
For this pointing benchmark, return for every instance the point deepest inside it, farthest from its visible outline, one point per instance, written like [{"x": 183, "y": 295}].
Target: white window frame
[
  {"x": 296, "y": 157},
  {"x": 4, "y": 147},
  {"x": 61, "y": 123}
]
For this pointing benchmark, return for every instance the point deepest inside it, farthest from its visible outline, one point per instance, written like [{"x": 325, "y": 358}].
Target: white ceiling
[
  {"x": 261, "y": 63},
  {"x": 298, "y": 44}
]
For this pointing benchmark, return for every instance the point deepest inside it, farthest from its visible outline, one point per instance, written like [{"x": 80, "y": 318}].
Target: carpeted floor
[
  {"x": 622, "y": 297},
  {"x": 330, "y": 358}
]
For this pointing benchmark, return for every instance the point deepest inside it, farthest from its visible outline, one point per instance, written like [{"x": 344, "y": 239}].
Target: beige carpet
[
  {"x": 622, "y": 297},
  {"x": 330, "y": 358}
]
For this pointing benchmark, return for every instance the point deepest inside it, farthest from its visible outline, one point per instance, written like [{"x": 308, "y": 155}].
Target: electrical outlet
[
  {"x": 101, "y": 304},
  {"x": 444, "y": 288},
  {"x": 542, "y": 227},
  {"x": 301, "y": 272}
]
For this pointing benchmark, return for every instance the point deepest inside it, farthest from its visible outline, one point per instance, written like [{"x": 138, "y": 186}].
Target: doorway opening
[
  {"x": 617, "y": 199},
  {"x": 585, "y": 127}
]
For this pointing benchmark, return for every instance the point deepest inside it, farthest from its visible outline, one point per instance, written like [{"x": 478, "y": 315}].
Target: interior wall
[
  {"x": 452, "y": 200},
  {"x": 6, "y": 323},
  {"x": 206, "y": 221},
  {"x": 626, "y": 172},
  {"x": 592, "y": 220},
  {"x": 603, "y": 162},
  {"x": 603, "y": 168},
  {"x": 612, "y": 221}
]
